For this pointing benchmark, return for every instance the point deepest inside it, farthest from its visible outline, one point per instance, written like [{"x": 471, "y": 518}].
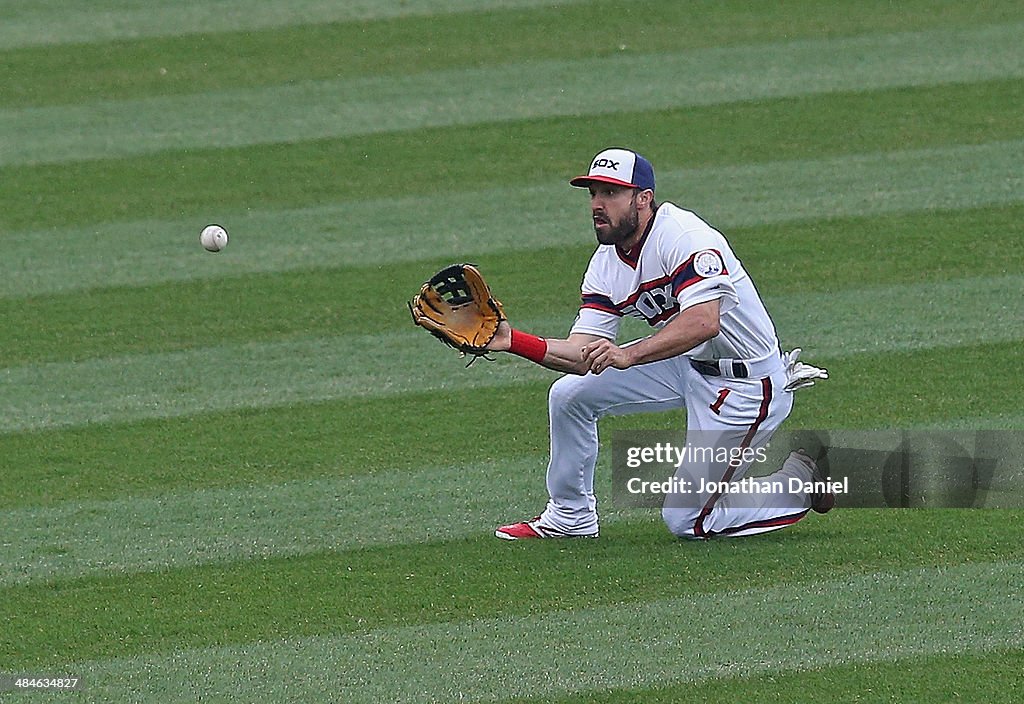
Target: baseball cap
[{"x": 622, "y": 167}]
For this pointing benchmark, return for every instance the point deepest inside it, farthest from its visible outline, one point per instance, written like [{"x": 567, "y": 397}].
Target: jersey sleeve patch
[{"x": 708, "y": 263}]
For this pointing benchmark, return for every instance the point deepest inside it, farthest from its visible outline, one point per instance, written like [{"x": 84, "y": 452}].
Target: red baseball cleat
[{"x": 533, "y": 529}]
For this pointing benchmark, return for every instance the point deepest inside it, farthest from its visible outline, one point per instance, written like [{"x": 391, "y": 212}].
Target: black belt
[{"x": 739, "y": 369}]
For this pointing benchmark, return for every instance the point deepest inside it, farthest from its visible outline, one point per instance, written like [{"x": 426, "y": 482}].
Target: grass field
[{"x": 247, "y": 477}]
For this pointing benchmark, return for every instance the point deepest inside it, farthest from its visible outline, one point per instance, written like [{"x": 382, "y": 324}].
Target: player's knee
[
  {"x": 568, "y": 394},
  {"x": 681, "y": 522}
]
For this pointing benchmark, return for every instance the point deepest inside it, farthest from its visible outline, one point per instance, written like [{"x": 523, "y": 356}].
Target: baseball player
[{"x": 714, "y": 352}]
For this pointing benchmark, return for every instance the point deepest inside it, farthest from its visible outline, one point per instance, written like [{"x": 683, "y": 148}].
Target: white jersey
[{"x": 681, "y": 261}]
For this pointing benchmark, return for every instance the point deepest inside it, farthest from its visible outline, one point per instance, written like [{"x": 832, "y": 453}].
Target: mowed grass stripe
[
  {"x": 250, "y": 448},
  {"x": 337, "y": 440},
  {"x": 48, "y": 22},
  {"x": 990, "y": 677},
  {"x": 246, "y": 375},
  {"x": 171, "y": 531},
  {"x": 870, "y": 618},
  {"x": 477, "y": 223},
  {"x": 491, "y": 34},
  {"x": 402, "y": 39},
  {"x": 355, "y": 436},
  {"x": 454, "y": 580},
  {"x": 398, "y": 165},
  {"x": 372, "y": 105},
  {"x": 264, "y": 374},
  {"x": 364, "y": 506}
]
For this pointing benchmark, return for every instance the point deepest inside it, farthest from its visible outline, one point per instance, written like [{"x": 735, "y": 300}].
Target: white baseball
[{"x": 214, "y": 238}]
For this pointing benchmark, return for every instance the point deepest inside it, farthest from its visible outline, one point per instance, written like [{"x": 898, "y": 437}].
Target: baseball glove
[{"x": 456, "y": 307}]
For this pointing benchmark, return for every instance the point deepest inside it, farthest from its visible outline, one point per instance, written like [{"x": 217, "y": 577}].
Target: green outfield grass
[{"x": 247, "y": 477}]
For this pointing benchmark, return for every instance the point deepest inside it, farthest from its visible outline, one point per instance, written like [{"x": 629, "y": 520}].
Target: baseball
[{"x": 214, "y": 238}]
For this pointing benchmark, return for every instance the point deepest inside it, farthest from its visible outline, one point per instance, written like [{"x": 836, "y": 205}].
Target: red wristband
[{"x": 529, "y": 346}]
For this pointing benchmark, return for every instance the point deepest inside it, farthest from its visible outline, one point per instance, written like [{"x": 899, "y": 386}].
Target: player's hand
[
  {"x": 602, "y": 354},
  {"x": 502, "y": 340}
]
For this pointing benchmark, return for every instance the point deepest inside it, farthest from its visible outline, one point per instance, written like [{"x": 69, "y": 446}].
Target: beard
[{"x": 620, "y": 231}]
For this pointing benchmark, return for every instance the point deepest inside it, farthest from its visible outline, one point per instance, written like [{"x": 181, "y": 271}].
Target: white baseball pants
[{"x": 736, "y": 412}]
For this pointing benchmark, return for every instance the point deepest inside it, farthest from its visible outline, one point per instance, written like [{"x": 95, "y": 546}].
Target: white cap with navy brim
[{"x": 622, "y": 167}]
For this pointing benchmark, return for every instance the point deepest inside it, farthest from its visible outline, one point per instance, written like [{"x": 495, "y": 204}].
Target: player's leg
[
  {"x": 733, "y": 419},
  {"x": 575, "y": 404}
]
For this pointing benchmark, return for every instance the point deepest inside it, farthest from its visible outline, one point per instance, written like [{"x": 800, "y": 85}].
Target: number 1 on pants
[{"x": 716, "y": 407}]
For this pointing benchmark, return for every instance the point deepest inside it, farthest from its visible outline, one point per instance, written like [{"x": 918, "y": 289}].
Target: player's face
[{"x": 613, "y": 209}]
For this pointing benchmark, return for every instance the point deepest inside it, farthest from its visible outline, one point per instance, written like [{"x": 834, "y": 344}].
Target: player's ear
[{"x": 645, "y": 197}]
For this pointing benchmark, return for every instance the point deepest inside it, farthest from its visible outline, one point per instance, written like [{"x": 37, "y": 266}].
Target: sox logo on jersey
[{"x": 656, "y": 301}]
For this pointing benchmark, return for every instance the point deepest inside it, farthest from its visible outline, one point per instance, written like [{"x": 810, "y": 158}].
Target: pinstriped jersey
[{"x": 680, "y": 261}]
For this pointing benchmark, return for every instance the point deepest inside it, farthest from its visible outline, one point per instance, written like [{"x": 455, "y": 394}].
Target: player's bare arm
[
  {"x": 688, "y": 329},
  {"x": 562, "y": 355}
]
